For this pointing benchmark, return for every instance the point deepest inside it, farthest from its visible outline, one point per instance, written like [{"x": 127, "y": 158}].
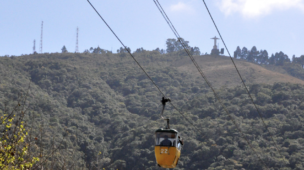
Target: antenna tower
[
  {"x": 77, "y": 40},
  {"x": 34, "y": 47},
  {"x": 41, "y": 38}
]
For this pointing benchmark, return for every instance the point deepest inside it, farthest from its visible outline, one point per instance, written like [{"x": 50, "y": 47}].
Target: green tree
[
  {"x": 171, "y": 45},
  {"x": 174, "y": 45},
  {"x": 237, "y": 52},
  {"x": 263, "y": 57},
  {"x": 300, "y": 60},
  {"x": 98, "y": 50},
  {"x": 64, "y": 49},
  {"x": 195, "y": 51},
  {"x": 253, "y": 54},
  {"x": 140, "y": 50},
  {"x": 13, "y": 143},
  {"x": 244, "y": 53}
]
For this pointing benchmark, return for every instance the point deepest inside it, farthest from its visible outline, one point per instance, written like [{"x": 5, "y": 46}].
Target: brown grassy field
[{"x": 220, "y": 71}]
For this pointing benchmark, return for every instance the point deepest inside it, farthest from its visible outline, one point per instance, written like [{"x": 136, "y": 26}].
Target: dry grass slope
[{"x": 221, "y": 72}]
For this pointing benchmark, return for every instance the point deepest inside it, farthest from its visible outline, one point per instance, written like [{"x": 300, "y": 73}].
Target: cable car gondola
[{"x": 167, "y": 144}]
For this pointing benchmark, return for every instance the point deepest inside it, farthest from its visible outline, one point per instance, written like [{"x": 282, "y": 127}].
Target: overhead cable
[
  {"x": 127, "y": 49},
  {"x": 243, "y": 82},
  {"x": 203, "y": 75}
]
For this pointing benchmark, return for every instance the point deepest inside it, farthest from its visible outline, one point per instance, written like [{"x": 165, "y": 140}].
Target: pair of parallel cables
[
  {"x": 179, "y": 38},
  {"x": 200, "y": 71},
  {"x": 128, "y": 50},
  {"x": 208, "y": 83}
]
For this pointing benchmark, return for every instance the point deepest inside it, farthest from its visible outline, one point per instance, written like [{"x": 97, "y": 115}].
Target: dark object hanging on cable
[
  {"x": 168, "y": 143},
  {"x": 222, "y": 51},
  {"x": 164, "y": 101}
]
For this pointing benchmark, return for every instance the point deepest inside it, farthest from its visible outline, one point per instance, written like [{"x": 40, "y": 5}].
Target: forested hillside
[{"x": 99, "y": 110}]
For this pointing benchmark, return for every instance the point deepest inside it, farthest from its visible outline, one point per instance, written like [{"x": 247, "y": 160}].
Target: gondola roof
[{"x": 166, "y": 130}]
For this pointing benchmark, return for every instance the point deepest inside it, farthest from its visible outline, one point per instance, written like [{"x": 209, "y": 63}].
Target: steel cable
[
  {"x": 203, "y": 75},
  {"x": 243, "y": 82},
  {"x": 191, "y": 123}
]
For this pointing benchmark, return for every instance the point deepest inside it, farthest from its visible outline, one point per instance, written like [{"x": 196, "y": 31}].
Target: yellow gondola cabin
[{"x": 167, "y": 147}]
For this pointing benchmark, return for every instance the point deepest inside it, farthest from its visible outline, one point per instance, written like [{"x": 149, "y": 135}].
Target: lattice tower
[
  {"x": 77, "y": 40},
  {"x": 34, "y": 47},
  {"x": 41, "y": 38}
]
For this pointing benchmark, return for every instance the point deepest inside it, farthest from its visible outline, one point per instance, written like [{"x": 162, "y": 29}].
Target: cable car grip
[{"x": 164, "y": 101}]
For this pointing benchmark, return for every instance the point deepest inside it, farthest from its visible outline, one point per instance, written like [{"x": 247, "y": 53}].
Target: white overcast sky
[{"x": 274, "y": 25}]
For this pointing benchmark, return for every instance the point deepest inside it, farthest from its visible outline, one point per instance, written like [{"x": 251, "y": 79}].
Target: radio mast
[
  {"x": 76, "y": 51},
  {"x": 34, "y": 47},
  {"x": 41, "y": 38}
]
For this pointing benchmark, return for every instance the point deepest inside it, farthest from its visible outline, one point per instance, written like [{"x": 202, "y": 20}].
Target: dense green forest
[{"x": 98, "y": 110}]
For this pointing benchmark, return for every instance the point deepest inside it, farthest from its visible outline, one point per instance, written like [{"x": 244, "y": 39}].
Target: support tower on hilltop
[
  {"x": 41, "y": 38},
  {"x": 34, "y": 47},
  {"x": 76, "y": 51}
]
